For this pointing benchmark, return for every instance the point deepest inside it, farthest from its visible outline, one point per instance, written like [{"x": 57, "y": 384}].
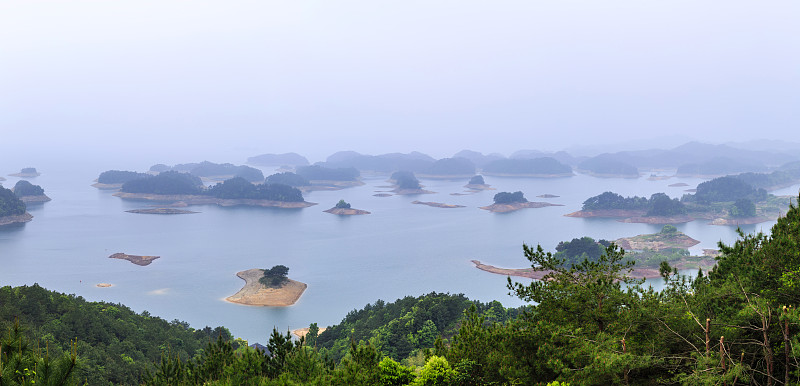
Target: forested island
[
  {"x": 213, "y": 171},
  {"x": 12, "y": 209},
  {"x": 26, "y": 173},
  {"x": 536, "y": 167},
  {"x": 113, "y": 179},
  {"x": 268, "y": 287},
  {"x": 172, "y": 186},
  {"x": 477, "y": 183},
  {"x": 508, "y": 202},
  {"x": 449, "y": 168},
  {"x": 406, "y": 183},
  {"x": 29, "y": 193},
  {"x": 724, "y": 200}
]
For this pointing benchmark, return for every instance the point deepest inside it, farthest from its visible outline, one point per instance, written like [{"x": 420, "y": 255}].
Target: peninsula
[
  {"x": 255, "y": 293},
  {"x": 29, "y": 193},
  {"x": 138, "y": 260}
]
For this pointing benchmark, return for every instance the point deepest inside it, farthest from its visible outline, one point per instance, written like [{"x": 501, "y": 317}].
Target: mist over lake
[{"x": 400, "y": 249}]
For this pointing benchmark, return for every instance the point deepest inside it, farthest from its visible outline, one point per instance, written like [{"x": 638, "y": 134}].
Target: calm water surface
[{"x": 400, "y": 249}]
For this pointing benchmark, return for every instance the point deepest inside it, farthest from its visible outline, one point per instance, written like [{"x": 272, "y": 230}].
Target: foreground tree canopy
[{"x": 10, "y": 204}]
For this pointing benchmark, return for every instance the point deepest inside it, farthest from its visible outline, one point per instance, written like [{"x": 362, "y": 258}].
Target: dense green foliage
[
  {"x": 211, "y": 169},
  {"x": 476, "y": 180},
  {"x": 536, "y": 166},
  {"x": 10, "y": 204},
  {"x": 170, "y": 182},
  {"x": 173, "y": 182},
  {"x": 405, "y": 180},
  {"x": 579, "y": 249},
  {"x": 316, "y": 172},
  {"x": 24, "y": 188},
  {"x": 610, "y": 200},
  {"x": 606, "y": 164},
  {"x": 158, "y": 168},
  {"x": 114, "y": 344},
  {"x": 275, "y": 276},
  {"x": 385, "y": 163},
  {"x": 24, "y": 362},
  {"x": 119, "y": 176},
  {"x": 509, "y": 198},
  {"x": 659, "y": 204},
  {"x": 342, "y": 204},
  {"x": 405, "y": 326},
  {"x": 724, "y": 189},
  {"x": 287, "y": 178},
  {"x": 743, "y": 208},
  {"x": 239, "y": 188},
  {"x": 451, "y": 167}
]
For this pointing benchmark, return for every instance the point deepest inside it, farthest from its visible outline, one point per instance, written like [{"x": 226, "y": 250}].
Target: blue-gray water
[{"x": 400, "y": 249}]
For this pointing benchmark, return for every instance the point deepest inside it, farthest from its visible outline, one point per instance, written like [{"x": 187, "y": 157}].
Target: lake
[{"x": 400, "y": 249}]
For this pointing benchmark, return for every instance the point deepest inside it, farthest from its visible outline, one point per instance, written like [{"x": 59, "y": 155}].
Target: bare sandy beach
[{"x": 256, "y": 294}]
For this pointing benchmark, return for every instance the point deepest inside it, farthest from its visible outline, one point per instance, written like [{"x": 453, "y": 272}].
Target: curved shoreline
[
  {"x": 138, "y": 260},
  {"x": 479, "y": 187},
  {"x": 255, "y": 294},
  {"x": 204, "y": 200},
  {"x": 532, "y": 175},
  {"x": 639, "y": 217},
  {"x": 16, "y": 219},
  {"x": 35, "y": 199},
  {"x": 637, "y": 273},
  {"x": 438, "y": 204}
]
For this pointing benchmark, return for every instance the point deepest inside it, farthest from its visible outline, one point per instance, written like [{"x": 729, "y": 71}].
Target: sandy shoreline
[
  {"x": 255, "y": 294},
  {"x": 505, "y": 208},
  {"x": 138, "y": 260},
  {"x": 346, "y": 211},
  {"x": 437, "y": 204},
  {"x": 18, "y": 219}
]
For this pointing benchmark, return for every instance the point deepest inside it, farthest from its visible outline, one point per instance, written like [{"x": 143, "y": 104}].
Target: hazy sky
[{"x": 247, "y": 77}]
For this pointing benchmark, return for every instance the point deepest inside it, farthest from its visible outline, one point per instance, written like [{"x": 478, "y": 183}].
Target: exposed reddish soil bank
[
  {"x": 256, "y": 294},
  {"x": 504, "y": 208},
  {"x": 138, "y": 260}
]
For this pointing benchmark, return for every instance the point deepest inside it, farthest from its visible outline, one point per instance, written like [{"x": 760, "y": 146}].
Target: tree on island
[
  {"x": 10, "y": 204},
  {"x": 580, "y": 249},
  {"x": 509, "y": 198},
  {"x": 668, "y": 229},
  {"x": 661, "y": 205},
  {"x": 275, "y": 277},
  {"x": 342, "y": 205},
  {"x": 477, "y": 180},
  {"x": 24, "y": 188}
]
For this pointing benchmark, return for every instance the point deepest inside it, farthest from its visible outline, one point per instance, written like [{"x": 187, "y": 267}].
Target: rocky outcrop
[{"x": 17, "y": 219}]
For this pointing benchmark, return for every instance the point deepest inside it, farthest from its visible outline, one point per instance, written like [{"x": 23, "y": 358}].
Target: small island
[
  {"x": 449, "y": 169},
  {"x": 477, "y": 183},
  {"x": 160, "y": 211},
  {"x": 323, "y": 178},
  {"x": 382, "y": 195},
  {"x": 678, "y": 184},
  {"x": 26, "y": 173},
  {"x": 29, "y": 193},
  {"x": 546, "y": 195},
  {"x": 268, "y": 287},
  {"x": 407, "y": 184},
  {"x": 343, "y": 208},
  {"x": 138, "y": 260},
  {"x": 437, "y": 204},
  {"x": 505, "y": 202},
  {"x": 12, "y": 209}
]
